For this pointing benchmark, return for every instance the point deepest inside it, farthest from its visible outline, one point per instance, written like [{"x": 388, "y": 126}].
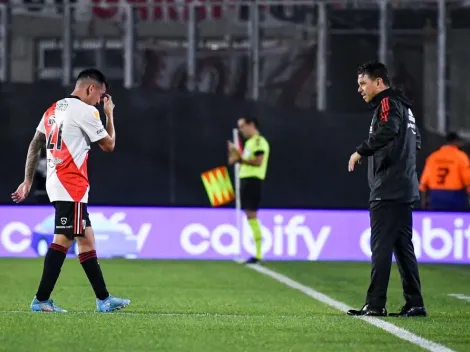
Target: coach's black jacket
[{"x": 391, "y": 147}]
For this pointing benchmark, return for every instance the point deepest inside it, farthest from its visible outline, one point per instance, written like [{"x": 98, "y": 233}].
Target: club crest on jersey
[{"x": 63, "y": 221}]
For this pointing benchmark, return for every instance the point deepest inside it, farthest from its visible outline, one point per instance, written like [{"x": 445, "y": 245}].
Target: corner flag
[{"x": 218, "y": 186}]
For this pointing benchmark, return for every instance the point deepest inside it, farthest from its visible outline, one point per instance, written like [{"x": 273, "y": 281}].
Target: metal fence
[{"x": 258, "y": 44}]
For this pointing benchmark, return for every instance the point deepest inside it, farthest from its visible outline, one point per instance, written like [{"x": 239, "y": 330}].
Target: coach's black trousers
[{"x": 391, "y": 232}]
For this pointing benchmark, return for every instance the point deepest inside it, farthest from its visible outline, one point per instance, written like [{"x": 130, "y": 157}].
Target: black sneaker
[
  {"x": 368, "y": 311},
  {"x": 253, "y": 260},
  {"x": 408, "y": 312}
]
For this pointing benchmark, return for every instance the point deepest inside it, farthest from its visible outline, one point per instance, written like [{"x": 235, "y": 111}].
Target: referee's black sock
[
  {"x": 53, "y": 262},
  {"x": 92, "y": 269}
]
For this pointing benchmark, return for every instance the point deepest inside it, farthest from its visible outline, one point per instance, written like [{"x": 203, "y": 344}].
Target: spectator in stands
[{"x": 445, "y": 182}]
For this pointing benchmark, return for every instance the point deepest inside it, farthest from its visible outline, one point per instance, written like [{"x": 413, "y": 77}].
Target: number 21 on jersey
[{"x": 54, "y": 140}]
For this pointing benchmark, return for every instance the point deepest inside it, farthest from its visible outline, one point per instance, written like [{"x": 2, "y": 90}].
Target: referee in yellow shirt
[{"x": 254, "y": 163}]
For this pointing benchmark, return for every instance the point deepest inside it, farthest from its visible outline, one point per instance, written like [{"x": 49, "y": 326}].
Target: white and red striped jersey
[{"x": 70, "y": 127}]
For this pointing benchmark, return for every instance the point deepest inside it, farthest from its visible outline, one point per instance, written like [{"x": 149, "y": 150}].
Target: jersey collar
[
  {"x": 378, "y": 98},
  {"x": 450, "y": 146},
  {"x": 74, "y": 97}
]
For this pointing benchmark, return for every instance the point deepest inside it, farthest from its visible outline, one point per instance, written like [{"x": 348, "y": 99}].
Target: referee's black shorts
[{"x": 250, "y": 193}]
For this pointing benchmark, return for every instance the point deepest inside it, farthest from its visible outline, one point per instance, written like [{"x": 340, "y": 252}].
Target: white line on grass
[
  {"x": 460, "y": 296},
  {"x": 186, "y": 315},
  {"x": 392, "y": 329}
]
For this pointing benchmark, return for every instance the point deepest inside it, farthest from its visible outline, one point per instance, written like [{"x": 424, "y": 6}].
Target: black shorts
[
  {"x": 250, "y": 193},
  {"x": 71, "y": 219}
]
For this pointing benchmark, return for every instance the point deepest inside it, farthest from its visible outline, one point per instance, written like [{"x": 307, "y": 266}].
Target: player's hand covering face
[
  {"x": 94, "y": 93},
  {"x": 108, "y": 105}
]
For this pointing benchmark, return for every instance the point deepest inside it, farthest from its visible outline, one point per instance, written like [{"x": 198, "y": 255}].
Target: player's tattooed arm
[{"x": 34, "y": 149}]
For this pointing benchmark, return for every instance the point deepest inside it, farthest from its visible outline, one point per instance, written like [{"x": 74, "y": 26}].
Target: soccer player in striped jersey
[{"x": 67, "y": 129}]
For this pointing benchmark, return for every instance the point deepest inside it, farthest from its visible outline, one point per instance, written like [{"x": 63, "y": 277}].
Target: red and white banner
[{"x": 167, "y": 10}]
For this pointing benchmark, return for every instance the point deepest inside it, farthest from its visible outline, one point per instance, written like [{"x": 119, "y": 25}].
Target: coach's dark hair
[
  {"x": 94, "y": 74},
  {"x": 374, "y": 70},
  {"x": 250, "y": 120}
]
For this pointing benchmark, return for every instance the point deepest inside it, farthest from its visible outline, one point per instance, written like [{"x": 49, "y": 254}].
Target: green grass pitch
[{"x": 222, "y": 306}]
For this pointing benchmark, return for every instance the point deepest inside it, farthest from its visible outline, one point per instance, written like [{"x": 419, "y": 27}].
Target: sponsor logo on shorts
[{"x": 63, "y": 221}]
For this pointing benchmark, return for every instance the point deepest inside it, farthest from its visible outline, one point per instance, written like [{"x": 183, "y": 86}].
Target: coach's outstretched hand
[
  {"x": 108, "y": 106},
  {"x": 355, "y": 158},
  {"x": 21, "y": 193}
]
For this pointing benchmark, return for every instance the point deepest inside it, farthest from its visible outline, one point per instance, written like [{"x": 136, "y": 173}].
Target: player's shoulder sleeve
[
  {"x": 464, "y": 169},
  {"x": 90, "y": 123},
  {"x": 463, "y": 159},
  {"x": 49, "y": 113},
  {"x": 261, "y": 145},
  {"x": 41, "y": 126},
  {"x": 388, "y": 125},
  {"x": 265, "y": 143}
]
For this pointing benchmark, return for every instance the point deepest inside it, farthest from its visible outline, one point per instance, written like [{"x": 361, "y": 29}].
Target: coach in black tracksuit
[{"x": 391, "y": 151}]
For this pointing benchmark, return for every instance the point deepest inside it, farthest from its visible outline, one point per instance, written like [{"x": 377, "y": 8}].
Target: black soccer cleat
[
  {"x": 368, "y": 311},
  {"x": 253, "y": 260},
  {"x": 408, "y": 312}
]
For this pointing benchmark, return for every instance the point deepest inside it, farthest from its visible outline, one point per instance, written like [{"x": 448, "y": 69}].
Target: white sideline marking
[
  {"x": 186, "y": 315},
  {"x": 460, "y": 296},
  {"x": 381, "y": 324}
]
